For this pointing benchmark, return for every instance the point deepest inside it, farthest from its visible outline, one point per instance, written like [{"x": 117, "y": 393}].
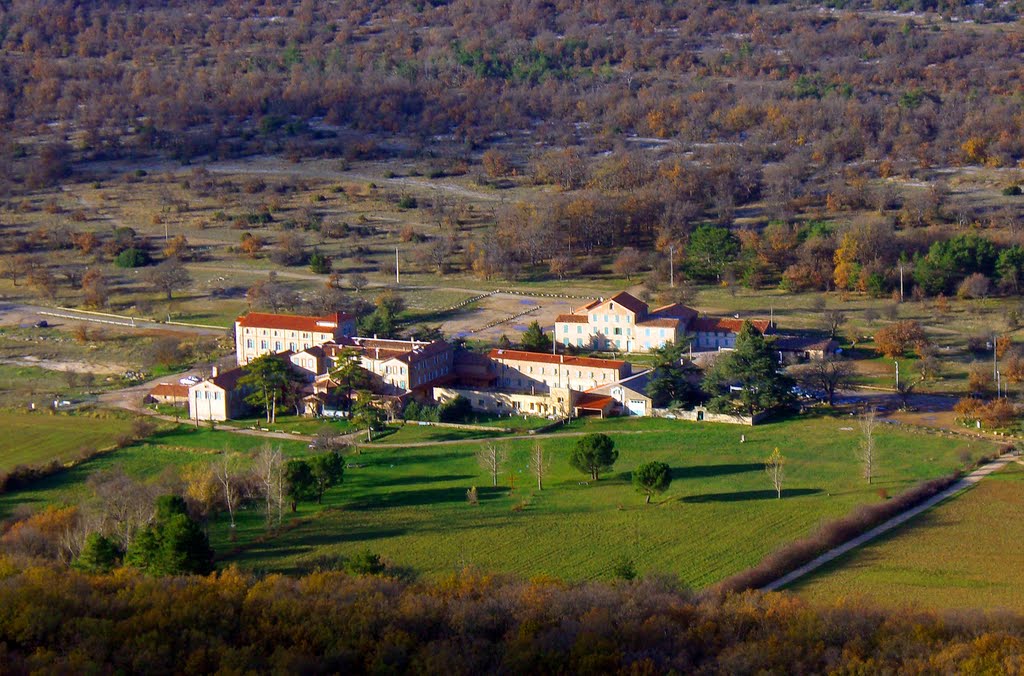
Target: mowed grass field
[
  {"x": 163, "y": 455},
  {"x": 965, "y": 553},
  {"x": 37, "y": 438},
  {"x": 719, "y": 516}
]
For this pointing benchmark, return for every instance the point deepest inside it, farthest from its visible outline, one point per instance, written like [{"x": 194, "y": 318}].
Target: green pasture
[{"x": 965, "y": 553}]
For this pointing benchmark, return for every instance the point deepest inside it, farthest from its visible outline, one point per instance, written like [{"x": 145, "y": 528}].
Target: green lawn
[
  {"x": 169, "y": 449},
  {"x": 38, "y": 437},
  {"x": 965, "y": 553},
  {"x": 719, "y": 516}
]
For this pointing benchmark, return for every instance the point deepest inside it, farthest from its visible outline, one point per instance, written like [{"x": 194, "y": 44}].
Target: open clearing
[
  {"x": 965, "y": 553},
  {"x": 719, "y": 516},
  {"x": 37, "y": 438}
]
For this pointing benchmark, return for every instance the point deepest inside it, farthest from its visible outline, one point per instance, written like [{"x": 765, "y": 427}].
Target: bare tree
[
  {"x": 491, "y": 457},
  {"x": 828, "y": 374},
  {"x": 539, "y": 464},
  {"x": 226, "y": 471},
  {"x": 775, "y": 466},
  {"x": 866, "y": 448},
  {"x": 126, "y": 505},
  {"x": 831, "y": 320},
  {"x": 269, "y": 470}
]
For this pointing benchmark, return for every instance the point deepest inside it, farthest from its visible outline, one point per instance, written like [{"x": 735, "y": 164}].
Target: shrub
[
  {"x": 131, "y": 258},
  {"x": 1012, "y": 191}
]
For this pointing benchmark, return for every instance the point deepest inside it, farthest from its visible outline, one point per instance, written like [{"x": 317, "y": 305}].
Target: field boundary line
[{"x": 896, "y": 521}]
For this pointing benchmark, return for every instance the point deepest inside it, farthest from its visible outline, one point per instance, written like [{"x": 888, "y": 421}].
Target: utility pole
[
  {"x": 995, "y": 365},
  {"x": 896, "y": 361},
  {"x": 671, "y": 266},
  {"x": 901, "y": 281}
]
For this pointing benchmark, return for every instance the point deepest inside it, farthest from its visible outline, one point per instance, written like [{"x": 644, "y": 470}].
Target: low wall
[
  {"x": 704, "y": 415},
  {"x": 456, "y": 426}
]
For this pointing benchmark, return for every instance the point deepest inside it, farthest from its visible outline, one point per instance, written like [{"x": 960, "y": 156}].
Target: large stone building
[
  {"x": 398, "y": 366},
  {"x": 514, "y": 382},
  {"x": 540, "y": 372},
  {"x": 624, "y": 323},
  {"x": 260, "y": 333}
]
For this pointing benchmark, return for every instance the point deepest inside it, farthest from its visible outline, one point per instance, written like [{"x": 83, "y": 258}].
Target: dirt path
[
  {"x": 833, "y": 554},
  {"x": 275, "y": 166}
]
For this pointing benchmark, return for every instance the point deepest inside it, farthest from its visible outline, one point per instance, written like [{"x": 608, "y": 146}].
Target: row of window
[
  {"x": 203, "y": 394},
  {"x": 617, "y": 331}
]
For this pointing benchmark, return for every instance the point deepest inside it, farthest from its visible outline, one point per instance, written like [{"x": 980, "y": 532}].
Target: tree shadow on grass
[
  {"x": 429, "y": 478},
  {"x": 427, "y": 496},
  {"x": 705, "y": 471},
  {"x": 741, "y": 496}
]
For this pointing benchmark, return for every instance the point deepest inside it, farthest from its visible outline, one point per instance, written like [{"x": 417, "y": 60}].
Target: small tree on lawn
[
  {"x": 539, "y": 464},
  {"x": 300, "y": 482},
  {"x": 594, "y": 453},
  {"x": 775, "y": 466},
  {"x": 328, "y": 470},
  {"x": 365, "y": 415},
  {"x": 491, "y": 457},
  {"x": 866, "y": 448},
  {"x": 652, "y": 477}
]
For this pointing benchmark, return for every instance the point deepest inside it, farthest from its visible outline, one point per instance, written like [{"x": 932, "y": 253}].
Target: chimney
[
  {"x": 214, "y": 372},
  {"x": 377, "y": 354}
]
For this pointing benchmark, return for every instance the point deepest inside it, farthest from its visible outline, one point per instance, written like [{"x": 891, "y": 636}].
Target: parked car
[{"x": 189, "y": 380}]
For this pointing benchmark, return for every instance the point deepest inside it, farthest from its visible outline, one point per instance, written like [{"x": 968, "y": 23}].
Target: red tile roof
[
  {"x": 266, "y": 320},
  {"x": 675, "y": 310},
  {"x": 727, "y": 324},
  {"x": 631, "y": 303},
  {"x": 170, "y": 390},
  {"x": 666, "y": 322},
  {"x": 576, "y": 319},
  {"x": 545, "y": 358},
  {"x": 593, "y": 401}
]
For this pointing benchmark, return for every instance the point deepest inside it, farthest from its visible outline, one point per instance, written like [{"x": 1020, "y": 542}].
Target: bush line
[{"x": 831, "y": 535}]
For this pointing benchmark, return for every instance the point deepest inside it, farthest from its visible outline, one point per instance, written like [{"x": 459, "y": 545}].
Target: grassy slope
[
  {"x": 718, "y": 517},
  {"x": 37, "y": 438},
  {"x": 170, "y": 449},
  {"x": 966, "y": 553}
]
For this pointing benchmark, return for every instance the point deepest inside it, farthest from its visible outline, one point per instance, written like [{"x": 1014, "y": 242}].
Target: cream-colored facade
[
  {"x": 556, "y": 402},
  {"x": 258, "y": 333},
  {"x": 541, "y": 372},
  {"x": 621, "y": 323}
]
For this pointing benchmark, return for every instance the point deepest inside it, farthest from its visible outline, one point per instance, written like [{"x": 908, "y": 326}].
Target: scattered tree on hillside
[
  {"x": 168, "y": 277},
  {"x": 299, "y": 478},
  {"x": 226, "y": 469},
  {"x": 593, "y": 454},
  {"x": 894, "y": 339},
  {"x": 652, "y": 477}
]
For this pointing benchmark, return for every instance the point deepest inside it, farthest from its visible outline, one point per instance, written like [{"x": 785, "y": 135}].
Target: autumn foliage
[{"x": 66, "y": 622}]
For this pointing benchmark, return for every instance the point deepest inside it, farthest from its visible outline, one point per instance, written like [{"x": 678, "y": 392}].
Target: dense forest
[
  {"x": 799, "y": 82},
  {"x": 55, "y": 621}
]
